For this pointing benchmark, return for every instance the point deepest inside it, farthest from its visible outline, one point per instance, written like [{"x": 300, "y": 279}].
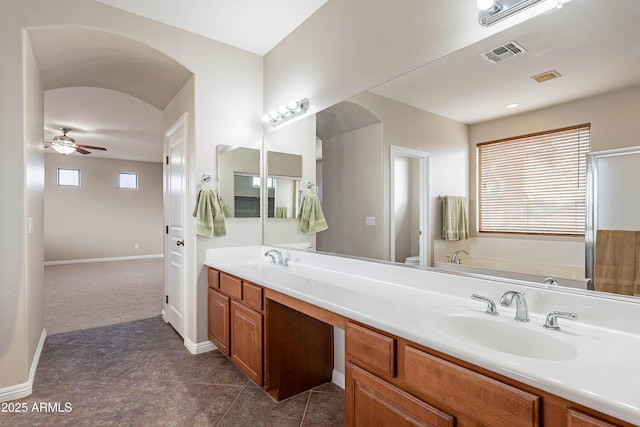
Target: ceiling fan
[{"x": 64, "y": 144}]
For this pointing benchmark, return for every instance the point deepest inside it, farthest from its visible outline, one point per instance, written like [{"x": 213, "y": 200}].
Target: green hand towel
[
  {"x": 311, "y": 217},
  {"x": 454, "y": 218},
  {"x": 209, "y": 214}
]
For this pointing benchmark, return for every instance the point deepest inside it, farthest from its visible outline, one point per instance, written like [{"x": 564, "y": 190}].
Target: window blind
[{"x": 534, "y": 184}]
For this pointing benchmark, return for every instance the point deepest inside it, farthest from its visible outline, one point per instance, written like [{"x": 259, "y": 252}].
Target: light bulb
[
  {"x": 283, "y": 110},
  {"x": 485, "y": 4},
  {"x": 266, "y": 118},
  {"x": 274, "y": 115},
  {"x": 293, "y": 105}
]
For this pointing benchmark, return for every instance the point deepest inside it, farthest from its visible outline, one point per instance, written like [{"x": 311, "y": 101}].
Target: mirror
[
  {"x": 239, "y": 181},
  {"x": 290, "y": 158},
  {"x": 284, "y": 185},
  {"x": 448, "y": 106}
]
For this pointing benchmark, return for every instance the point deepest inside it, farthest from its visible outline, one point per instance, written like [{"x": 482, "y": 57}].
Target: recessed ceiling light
[{"x": 512, "y": 105}]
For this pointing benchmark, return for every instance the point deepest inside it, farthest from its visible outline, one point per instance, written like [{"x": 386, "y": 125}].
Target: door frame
[
  {"x": 424, "y": 201},
  {"x": 182, "y": 121},
  {"x": 593, "y": 162}
]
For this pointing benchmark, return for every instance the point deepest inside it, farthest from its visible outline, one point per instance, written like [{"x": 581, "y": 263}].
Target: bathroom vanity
[{"x": 407, "y": 358}]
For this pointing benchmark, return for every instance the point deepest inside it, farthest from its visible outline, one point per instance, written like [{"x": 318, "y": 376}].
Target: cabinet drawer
[
  {"x": 371, "y": 350},
  {"x": 231, "y": 286},
  {"x": 214, "y": 279},
  {"x": 579, "y": 419},
  {"x": 484, "y": 399},
  {"x": 252, "y": 295}
]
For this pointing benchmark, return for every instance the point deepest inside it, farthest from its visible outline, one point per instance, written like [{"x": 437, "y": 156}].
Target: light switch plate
[{"x": 370, "y": 220}]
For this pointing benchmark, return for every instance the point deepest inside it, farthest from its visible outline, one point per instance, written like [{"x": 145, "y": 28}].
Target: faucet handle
[
  {"x": 491, "y": 306},
  {"x": 552, "y": 319}
]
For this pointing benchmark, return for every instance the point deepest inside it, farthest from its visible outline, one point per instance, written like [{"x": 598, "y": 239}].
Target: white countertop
[{"x": 410, "y": 302}]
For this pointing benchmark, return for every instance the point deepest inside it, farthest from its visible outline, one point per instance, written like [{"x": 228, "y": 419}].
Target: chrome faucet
[
  {"x": 552, "y": 319},
  {"x": 453, "y": 259},
  {"x": 550, "y": 281},
  {"x": 276, "y": 254},
  {"x": 491, "y": 306},
  {"x": 522, "y": 311}
]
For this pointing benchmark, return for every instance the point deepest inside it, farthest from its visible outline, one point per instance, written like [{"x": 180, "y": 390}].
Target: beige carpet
[{"x": 82, "y": 296}]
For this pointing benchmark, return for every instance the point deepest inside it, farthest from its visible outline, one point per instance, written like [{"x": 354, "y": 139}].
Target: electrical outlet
[
  {"x": 370, "y": 220},
  {"x": 136, "y": 246}
]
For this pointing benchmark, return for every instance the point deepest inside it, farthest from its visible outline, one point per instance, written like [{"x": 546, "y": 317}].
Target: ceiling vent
[
  {"x": 506, "y": 51},
  {"x": 546, "y": 76}
]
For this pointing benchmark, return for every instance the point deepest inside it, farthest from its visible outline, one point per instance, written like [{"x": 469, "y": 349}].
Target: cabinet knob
[{"x": 180, "y": 242}]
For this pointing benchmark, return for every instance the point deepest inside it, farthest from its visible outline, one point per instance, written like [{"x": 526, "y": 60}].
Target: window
[
  {"x": 534, "y": 184},
  {"x": 128, "y": 181},
  {"x": 68, "y": 177}
]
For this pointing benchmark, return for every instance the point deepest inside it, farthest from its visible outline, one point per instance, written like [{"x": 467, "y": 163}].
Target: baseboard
[
  {"x": 338, "y": 379},
  {"x": 118, "y": 258},
  {"x": 198, "y": 348},
  {"x": 25, "y": 389}
]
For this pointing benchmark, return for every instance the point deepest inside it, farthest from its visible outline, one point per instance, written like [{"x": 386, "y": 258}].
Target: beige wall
[
  {"x": 352, "y": 190},
  {"x": 98, "y": 220},
  {"x": 446, "y": 141},
  {"x": 34, "y": 188}
]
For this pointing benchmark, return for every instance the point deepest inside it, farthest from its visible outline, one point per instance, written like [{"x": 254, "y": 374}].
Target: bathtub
[{"x": 568, "y": 276}]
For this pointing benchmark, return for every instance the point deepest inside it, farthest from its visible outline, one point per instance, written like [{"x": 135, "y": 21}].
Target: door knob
[{"x": 180, "y": 243}]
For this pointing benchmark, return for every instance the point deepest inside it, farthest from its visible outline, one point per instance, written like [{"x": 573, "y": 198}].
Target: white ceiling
[
  {"x": 253, "y": 25},
  {"x": 592, "y": 44},
  {"x": 128, "y": 127}
]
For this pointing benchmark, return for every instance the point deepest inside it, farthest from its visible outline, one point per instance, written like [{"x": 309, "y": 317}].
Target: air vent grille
[
  {"x": 546, "y": 76},
  {"x": 506, "y": 51}
]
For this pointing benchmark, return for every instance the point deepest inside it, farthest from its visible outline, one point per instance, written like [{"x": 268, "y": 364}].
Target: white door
[{"x": 175, "y": 214}]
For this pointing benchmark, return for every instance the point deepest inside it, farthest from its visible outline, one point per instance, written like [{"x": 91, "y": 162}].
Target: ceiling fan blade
[
  {"x": 91, "y": 147},
  {"x": 81, "y": 151}
]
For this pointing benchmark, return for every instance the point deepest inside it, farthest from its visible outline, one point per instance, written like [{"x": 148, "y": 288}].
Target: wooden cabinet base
[{"x": 299, "y": 351}]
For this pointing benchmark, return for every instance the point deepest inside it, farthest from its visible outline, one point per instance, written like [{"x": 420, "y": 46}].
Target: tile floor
[{"x": 140, "y": 374}]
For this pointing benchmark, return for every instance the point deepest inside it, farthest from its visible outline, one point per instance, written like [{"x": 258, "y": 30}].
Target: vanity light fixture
[
  {"x": 286, "y": 112},
  {"x": 492, "y": 11}
]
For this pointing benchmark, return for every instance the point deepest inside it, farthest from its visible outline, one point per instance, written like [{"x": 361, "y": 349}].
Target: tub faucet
[
  {"x": 273, "y": 254},
  {"x": 454, "y": 258},
  {"x": 522, "y": 311}
]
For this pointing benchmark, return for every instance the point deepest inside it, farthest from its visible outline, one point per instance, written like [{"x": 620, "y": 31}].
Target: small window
[
  {"x": 68, "y": 178},
  {"x": 128, "y": 181}
]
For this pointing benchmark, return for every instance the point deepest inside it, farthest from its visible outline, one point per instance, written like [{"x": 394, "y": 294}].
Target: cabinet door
[
  {"x": 219, "y": 320},
  {"x": 246, "y": 340},
  {"x": 370, "y": 401}
]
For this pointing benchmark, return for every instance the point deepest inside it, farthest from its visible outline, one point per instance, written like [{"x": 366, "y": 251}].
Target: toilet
[{"x": 413, "y": 260}]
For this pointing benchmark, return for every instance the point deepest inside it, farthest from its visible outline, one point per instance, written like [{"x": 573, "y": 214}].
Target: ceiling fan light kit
[{"x": 64, "y": 144}]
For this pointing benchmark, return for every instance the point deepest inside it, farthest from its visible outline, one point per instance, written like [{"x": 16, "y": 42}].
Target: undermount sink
[{"x": 498, "y": 335}]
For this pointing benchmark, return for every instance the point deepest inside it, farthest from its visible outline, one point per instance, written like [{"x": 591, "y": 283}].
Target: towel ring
[
  {"x": 206, "y": 178},
  {"x": 313, "y": 187}
]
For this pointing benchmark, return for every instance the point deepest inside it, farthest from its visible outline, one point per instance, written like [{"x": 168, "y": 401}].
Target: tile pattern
[{"x": 140, "y": 374}]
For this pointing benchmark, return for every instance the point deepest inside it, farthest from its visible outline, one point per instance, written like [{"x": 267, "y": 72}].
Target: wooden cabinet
[
  {"x": 468, "y": 393},
  {"x": 246, "y": 340},
  {"x": 286, "y": 346},
  {"x": 580, "y": 419},
  {"x": 371, "y": 401},
  {"x": 219, "y": 327},
  {"x": 236, "y": 321},
  {"x": 391, "y": 381}
]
